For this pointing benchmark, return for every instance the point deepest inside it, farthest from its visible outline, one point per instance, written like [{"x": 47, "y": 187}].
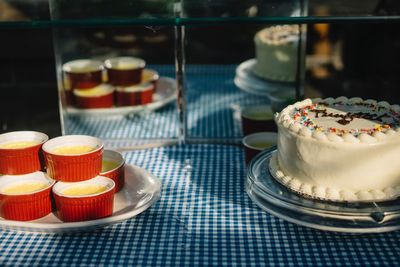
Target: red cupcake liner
[
  {"x": 73, "y": 168},
  {"x": 26, "y": 207},
  {"x": 85, "y": 208},
  {"x": 104, "y": 101},
  {"x": 21, "y": 161}
]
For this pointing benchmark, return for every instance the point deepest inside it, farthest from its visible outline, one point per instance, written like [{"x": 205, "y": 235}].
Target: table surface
[{"x": 204, "y": 217}]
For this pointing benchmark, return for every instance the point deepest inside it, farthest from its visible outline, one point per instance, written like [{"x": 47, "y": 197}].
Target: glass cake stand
[
  {"x": 271, "y": 196},
  {"x": 250, "y": 83}
]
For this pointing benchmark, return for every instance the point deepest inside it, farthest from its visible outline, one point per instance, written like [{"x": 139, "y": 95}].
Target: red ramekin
[
  {"x": 73, "y": 167},
  {"x": 124, "y": 71},
  {"x": 255, "y": 143},
  {"x": 85, "y": 207},
  {"x": 258, "y": 118},
  {"x": 150, "y": 76},
  {"x": 83, "y": 73},
  {"x": 21, "y": 160},
  {"x": 25, "y": 206},
  {"x": 101, "y": 96},
  {"x": 69, "y": 97},
  {"x": 116, "y": 174},
  {"x": 134, "y": 95}
]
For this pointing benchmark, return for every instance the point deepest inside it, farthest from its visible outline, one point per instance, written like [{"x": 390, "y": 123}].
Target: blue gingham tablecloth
[
  {"x": 212, "y": 99},
  {"x": 204, "y": 217}
]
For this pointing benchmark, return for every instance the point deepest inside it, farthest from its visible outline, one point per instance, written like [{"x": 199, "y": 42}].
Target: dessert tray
[
  {"x": 279, "y": 201},
  {"x": 141, "y": 190},
  {"x": 164, "y": 94},
  {"x": 250, "y": 83}
]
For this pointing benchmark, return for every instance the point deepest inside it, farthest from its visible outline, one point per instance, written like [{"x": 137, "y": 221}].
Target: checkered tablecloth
[
  {"x": 204, "y": 217},
  {"x": 212, "y": 99}
]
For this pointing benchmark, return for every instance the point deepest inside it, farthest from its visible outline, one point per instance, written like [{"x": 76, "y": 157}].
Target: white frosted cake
[
  {"x": 276, "y": 53},
  {"x": 339, "y": 149}
]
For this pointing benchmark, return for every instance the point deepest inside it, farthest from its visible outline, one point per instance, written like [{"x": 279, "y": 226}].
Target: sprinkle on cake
[{"x": 380, "y": 117}]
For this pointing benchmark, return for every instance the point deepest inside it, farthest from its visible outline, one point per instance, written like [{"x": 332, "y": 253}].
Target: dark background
[{"x": 28, "y": 90}]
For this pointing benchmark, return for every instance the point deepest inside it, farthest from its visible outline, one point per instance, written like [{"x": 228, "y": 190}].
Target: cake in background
[{"x": 276, "y": 53}]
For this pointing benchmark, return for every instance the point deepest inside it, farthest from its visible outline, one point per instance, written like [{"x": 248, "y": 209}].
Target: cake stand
[
  {"x": 250, "y": 83},
  {"x": 271, "y": 196}
]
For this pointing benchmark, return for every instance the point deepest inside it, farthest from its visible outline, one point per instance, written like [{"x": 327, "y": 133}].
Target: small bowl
[
  {"x": 257, "y": 119},
  {"x": 150, "y": 76},
  {"x": 73, "y": 158},
  {"x": 124, "y": 71},
  {"x": 83, "y": 73},
  {"x": 87, "y": 200},
  {"x": 25, "y": 197},
  {"x": 134, "y": 95},
  {"x": 20, "y": 152},
  {"x": 281, "y": 99},
  {"x": 113, "y": 167},
  {"x": 257, "y": 142},
  {"x": 101, "y": 96}
]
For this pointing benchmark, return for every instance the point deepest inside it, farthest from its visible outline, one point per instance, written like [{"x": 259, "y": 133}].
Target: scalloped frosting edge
[
  {"x": 284, "y": 119},
  {"x": 331, "y": 194}
]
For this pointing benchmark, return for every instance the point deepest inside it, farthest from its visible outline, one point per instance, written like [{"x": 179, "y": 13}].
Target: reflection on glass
[{"x": 118, "y": 82}]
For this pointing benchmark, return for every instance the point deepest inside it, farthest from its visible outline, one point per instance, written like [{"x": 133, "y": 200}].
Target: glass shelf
[{"x": 36, "y": 14}]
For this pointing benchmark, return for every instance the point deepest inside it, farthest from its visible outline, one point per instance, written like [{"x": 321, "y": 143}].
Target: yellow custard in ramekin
[
  {"x": 84, "y": 190},
  {"x": 72, "y": 150},
  {"x": 108, "y": 165},
  {"x": 18, "y": 144},
  {"x": 24, "y": 188}
]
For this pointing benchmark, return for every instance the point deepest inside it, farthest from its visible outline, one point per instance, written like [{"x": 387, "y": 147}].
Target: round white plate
[
  {"x": 250, "y": 83},
  {"x": 141, "y": 190},
  {"x": 165, "y": 93}
]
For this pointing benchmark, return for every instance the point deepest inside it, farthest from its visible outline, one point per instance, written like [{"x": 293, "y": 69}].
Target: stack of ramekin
[
  {"x": 119, "y": 81},
  {"x": 23, "y": 165},
  {"x": 83, "y": 84},
  {"x": 78, "y": 170}
]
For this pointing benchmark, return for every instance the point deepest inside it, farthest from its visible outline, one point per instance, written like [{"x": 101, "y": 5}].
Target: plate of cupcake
[
  {"x": 82, "y": 188},
  {"x": 117, "y": 86}
]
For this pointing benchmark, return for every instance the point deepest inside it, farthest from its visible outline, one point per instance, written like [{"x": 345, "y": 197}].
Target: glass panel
[
  {"x": 111, "y": 97},
  {"x": 231, "y": 69}
]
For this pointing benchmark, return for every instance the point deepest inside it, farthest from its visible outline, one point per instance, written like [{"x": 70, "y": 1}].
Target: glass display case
[{"x": 206, "y": 58}]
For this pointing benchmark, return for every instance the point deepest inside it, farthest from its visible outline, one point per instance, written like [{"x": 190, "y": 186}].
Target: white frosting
[
  {"x": 351, "y": 162},
  {"x": 276, "y": 52}
]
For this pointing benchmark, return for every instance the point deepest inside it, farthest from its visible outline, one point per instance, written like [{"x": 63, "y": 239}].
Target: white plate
[
  {"x": 250, "y": 83},
  {"x": 141, "y": 190},
  {"x": 165, "y": 93}
]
